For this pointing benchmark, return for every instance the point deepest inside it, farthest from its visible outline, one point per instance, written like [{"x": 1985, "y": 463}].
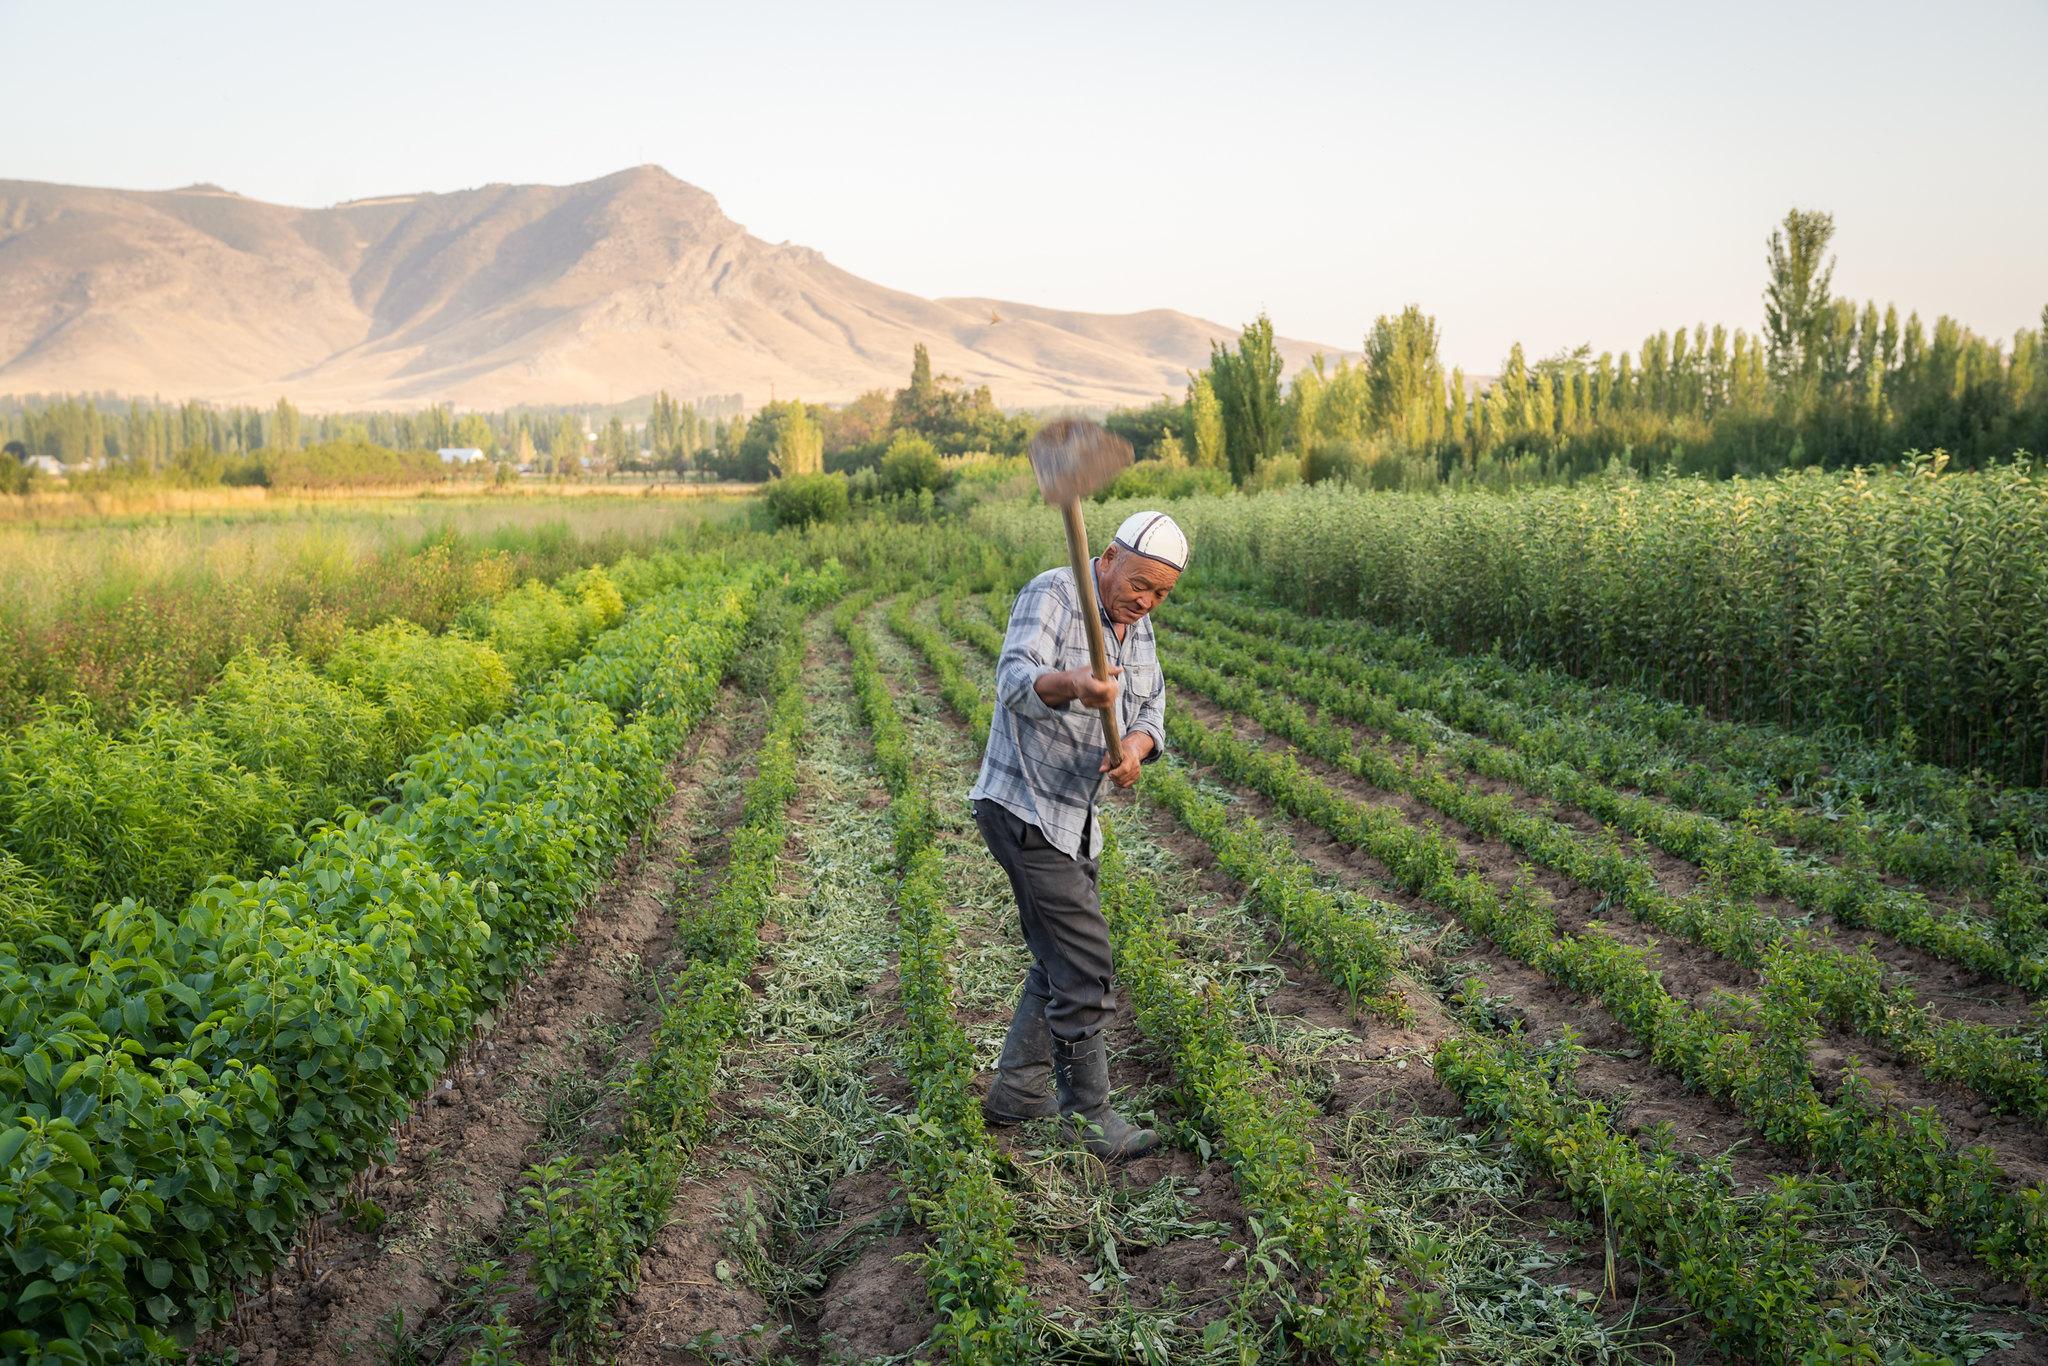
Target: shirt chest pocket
[{"x": 1142, "y": 684}]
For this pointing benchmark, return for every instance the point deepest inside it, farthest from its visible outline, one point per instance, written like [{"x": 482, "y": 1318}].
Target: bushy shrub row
[
  {"x": 227, "y": 786},
  {"x": 181, "y": 1096}
]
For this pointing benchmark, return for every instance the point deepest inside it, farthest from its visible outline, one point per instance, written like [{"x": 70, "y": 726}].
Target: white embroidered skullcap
[{"x": 1156, "y": 536}]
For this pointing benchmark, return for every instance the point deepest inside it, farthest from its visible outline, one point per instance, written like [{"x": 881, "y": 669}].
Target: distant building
[
  {"x": 460, "y": 455},
  {"x": 44, "y": 464}
]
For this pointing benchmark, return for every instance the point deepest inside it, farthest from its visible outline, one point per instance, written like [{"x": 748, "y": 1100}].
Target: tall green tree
[
  {"x": 284, "y": 426},
  {"x": 799, "y": 445},
  {"x": 567, "y": 448},
  {"x": 474, "y": 430},
  {"x": 1205, "y": 420},
  {"x": 1797, "y": 305},
  {"x": 1404, "y": 376},
  {"x": 1247, "y": 385}
]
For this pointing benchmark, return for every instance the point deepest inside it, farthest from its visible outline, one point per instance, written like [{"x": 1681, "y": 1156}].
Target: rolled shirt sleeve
[
  {"x": 1044, "y": 763},
  {"x": 1038, "y": 622},
  {"x": 1151, "y": 717}
]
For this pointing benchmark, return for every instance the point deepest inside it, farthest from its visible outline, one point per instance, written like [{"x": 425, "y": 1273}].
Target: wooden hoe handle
[{"x": 1091, "y": 615}]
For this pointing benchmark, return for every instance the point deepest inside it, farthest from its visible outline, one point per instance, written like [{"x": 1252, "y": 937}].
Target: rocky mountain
[{"x": 510, "y": 294}]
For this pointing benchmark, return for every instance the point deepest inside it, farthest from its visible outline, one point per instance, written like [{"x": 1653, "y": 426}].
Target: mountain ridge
[{"x": 506, "y": 294}]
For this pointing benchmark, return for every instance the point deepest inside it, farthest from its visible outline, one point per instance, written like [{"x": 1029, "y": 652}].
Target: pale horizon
[{"x": 1554, "y": 179}]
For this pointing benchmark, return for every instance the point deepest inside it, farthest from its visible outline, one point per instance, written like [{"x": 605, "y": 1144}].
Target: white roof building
[{"x": 460, "y": 455}]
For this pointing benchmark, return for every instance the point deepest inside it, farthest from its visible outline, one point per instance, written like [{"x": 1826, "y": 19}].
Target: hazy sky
[{"x": 1545, "y": 173}]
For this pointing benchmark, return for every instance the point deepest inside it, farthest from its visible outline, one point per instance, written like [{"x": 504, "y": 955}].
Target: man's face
[{"x": 1132, "y": 584}]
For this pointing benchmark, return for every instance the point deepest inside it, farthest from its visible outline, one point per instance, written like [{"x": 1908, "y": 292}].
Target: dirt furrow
[
  {"x": 1390, "y": 1125},
  {"x": 387, "y": 1265},
  {"x": 1641, "y": 1095}
]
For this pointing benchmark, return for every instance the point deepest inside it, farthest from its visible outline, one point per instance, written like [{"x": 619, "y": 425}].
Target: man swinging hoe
[{"x": 1080, "y": 698}]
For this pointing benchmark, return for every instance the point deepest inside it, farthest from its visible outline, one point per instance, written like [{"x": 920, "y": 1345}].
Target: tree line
[
  {"x": 1825, "y": 382},
  {"x": 908, "y": 430},
  {"x": 193, "y": 442}
]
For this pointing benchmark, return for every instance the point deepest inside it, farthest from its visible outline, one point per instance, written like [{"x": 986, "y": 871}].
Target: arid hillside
[{"x": 509, "y": 294}]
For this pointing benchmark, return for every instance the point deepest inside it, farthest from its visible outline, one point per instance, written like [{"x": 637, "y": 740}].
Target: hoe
[{"x": 1074, "y": 458}]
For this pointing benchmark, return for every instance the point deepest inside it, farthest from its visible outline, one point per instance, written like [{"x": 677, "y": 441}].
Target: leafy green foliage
[
  {"x": 1901, "y": 605},
  {"x": 228, "y": 787},
  {"x": 1761, "y": 1070},
  {"x": 195, "y": 1088},
  {"x": 1722, "y": 914},
  {"x": 802, "y": 500}
]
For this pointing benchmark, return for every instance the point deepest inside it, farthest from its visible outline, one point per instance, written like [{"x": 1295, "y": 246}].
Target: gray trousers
[{"x": 1062, "y": 921}]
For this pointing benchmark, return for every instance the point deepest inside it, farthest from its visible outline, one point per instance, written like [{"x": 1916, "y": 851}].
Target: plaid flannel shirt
[{"x": 1042, "y": 762}]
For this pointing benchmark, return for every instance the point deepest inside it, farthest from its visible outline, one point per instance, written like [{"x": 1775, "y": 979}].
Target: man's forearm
[{"x": 1056, "y": 687}]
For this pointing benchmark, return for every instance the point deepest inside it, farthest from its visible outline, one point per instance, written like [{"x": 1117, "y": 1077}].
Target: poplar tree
[
  {"x": 800, "y": 444},
  {"x": 1205, "y": 420},
  {"x": 1404, "y": 376},
  {"x": 1796, "y": 301},
  {"x": 1457, "y": 413},
  {"x": 1304, "y": 403},
  {"x": 1542, "y": 407},
  {"x": 1511, "y": 408},
  {"x": 565, "y": 451},
  {"x": 1247, "y": 385}
]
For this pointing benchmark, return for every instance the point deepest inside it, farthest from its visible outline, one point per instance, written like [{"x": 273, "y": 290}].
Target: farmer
[{"x": 1035, "y": 804}]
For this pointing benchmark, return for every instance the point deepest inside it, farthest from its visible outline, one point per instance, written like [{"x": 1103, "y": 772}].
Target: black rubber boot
[
  {"x": 1081, "y": 1069},
  {"x": 1022, "y": 1089}
]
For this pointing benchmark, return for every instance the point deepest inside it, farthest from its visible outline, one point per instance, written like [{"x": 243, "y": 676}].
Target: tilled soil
[
  {"x": 826, "y": 1208},
  {"x": 1689, "y": 972},
  {"x": 1383, "y": 1070},
  {"x": 461, "y": 1155},
  {"x": 1639, "y": 1094},
  {"x": 1190, "y": 1275},
  {"x": 1955, "y": 990},
  {"x": 1953, "y": 898}
]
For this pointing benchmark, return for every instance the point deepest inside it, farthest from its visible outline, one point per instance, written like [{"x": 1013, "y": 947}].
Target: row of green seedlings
[
  {"x": 2003, "y": 1066},
  {"x": 2009, "y": 946},
  {"x": 1729, "y": 769},
  {"x": 588, "y": 1223},
  {"x": 1354, "y": 941},
  {"x": 973, "y": 1273},
  {"x": 1306, "y": 1219},
  {"x": 191, "y": 1093},
  {"x": 1755, "y": 1059},
  {"x": 226, "y": 786},
  {"x": 1750, "y": 1267},
  {"x": 1753, "y": 1285}
]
